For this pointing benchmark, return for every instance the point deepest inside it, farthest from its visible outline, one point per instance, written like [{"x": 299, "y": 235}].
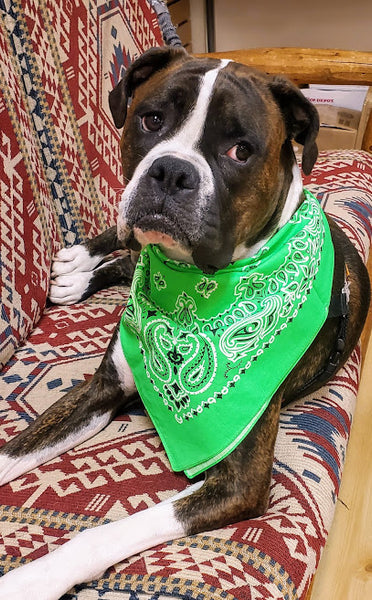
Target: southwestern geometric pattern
[
  {"x": 60, "y": 179},
  {"x": 124, "y": 469},
  {"x": 59, "y": 152}
]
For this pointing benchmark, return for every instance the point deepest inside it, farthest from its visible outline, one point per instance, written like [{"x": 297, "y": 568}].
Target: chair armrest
[{"x": 307, "y": 65}]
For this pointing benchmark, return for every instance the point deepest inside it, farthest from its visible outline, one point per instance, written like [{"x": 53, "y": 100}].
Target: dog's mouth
[{"x": 160, "y": 229}]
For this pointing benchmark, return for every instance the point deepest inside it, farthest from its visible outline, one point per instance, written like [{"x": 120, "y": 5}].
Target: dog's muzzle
[
  {"x": 164, "y": 198},
  {"x": 170, "y": 201}
]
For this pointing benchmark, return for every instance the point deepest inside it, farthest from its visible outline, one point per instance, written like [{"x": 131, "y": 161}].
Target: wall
[
  {"x": 198, "y": 26},
  {"x": 314, "y": 24}
]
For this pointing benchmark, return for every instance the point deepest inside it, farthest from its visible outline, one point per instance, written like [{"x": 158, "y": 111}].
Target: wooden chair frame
[{"x": 345, "y": 570}]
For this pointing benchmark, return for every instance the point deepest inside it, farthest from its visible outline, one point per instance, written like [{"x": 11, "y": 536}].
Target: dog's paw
[
  {"x": 9, "y": 468},
  {"x": 75, "y": 259},
  {"x": 26, "y": 582},
  {"x": 72, "y": 271},
  {"x": 70, "y": 288}
]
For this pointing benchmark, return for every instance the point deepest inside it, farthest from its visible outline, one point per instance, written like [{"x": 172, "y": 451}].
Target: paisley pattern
[
  {"x": 206, "y": 287},
  {"x": 188, "y": 350}
]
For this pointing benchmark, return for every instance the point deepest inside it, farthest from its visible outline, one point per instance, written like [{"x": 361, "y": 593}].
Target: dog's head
[{"x": 206, "y": 148}]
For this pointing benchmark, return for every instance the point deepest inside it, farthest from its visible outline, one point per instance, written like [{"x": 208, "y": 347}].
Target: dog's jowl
[{"x": 244, "y": 296}]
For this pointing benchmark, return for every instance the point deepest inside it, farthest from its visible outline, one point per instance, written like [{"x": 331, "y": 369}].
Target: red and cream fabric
[
  {"x": 59, "y": 152},
  {"x": 60, "y": 178}
]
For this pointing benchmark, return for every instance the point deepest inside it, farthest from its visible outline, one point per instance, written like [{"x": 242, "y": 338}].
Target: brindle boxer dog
[{"x": 206, "y": 149}]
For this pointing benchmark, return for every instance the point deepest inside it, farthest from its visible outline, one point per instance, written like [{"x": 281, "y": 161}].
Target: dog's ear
[
  {"x": 301, "y": 119},
  {"x": 148, "y": 63}
]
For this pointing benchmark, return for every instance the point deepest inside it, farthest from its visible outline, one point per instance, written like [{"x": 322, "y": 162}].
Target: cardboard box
[
  {"x": 351, "y": 96},
  {"x": 338, "y": 127},
  {"x": 333, "y": 138},
  {"x": 340, "y": 111},
  {"x": 333, "y": 116}
]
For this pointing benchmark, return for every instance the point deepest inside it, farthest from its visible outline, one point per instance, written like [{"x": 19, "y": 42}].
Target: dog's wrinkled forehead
[
  {"x": 184, "y": 94},
  {"x": 168, "y": 79},
  {"x": 205, "y": 92},
  {"x": 205, "y": 106}
]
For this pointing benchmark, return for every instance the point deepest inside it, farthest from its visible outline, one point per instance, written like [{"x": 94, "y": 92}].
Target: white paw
[
  {"x": 10, "y": 468},
  {"x": 26, "y": 582},
  {"x": 52, "y": 575},
  {"x": 74, "y": 259},
  {"x": 69, "y": 289}
]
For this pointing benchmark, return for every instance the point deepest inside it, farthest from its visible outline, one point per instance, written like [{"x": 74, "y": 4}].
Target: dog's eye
[
  {"x": 240, "y": 152},
  {"x": 152, "y": 122}
]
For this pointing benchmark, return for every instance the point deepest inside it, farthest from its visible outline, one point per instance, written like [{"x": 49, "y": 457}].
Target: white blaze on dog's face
[
  {"x": 202, "y": 149},
  {"x": 180, "y": 156}
]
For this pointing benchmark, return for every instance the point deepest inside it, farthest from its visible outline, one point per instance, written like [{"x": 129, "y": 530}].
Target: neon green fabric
[{"x": 208, "y": 352}]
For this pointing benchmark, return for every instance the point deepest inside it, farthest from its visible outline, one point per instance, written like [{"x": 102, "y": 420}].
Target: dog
[{"x": 212, "y": 181}]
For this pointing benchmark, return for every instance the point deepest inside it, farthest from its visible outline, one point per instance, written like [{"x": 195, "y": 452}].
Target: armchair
[{"x": 60, "y": 180}]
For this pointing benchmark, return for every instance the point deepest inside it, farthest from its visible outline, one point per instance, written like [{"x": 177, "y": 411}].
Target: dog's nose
[{"x": 174, "y": 175}]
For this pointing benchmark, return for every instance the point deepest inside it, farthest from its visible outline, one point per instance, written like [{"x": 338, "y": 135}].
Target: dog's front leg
[
  {"x": 76, "y": 417},
  {"x": 78, "y": 286},
  {"x": 238, "y": 487},
  {"x": 86, "y": 256},
  {"x": 235, "y": 489},
  {"x": 91, "y": 552}
]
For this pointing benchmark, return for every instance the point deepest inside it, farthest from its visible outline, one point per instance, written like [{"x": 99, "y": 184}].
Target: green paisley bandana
[{"x": 208, "y": 352}]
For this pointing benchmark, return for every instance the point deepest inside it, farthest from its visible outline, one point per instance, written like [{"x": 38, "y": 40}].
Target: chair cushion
[
  {"x": 124, "y": 468},
  {"x": 26, "y": 215},
  {"x": 60, "y": 171}
]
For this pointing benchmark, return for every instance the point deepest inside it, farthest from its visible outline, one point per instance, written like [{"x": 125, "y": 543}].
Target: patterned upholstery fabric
[
  {"x": 59, "y": 178},
  {"x": 60, "y": 173}
]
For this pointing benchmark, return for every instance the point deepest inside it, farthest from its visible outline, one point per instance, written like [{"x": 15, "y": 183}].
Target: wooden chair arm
[{"x": 308, "y": 65}]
